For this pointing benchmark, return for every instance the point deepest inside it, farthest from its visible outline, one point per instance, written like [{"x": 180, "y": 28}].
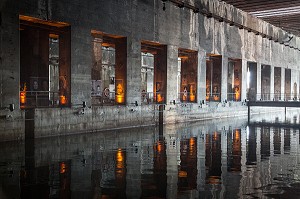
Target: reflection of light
[
  {"x": 63, "y": 168},
  {"x": 237, "y": 135},
  {"x": 215, "y": 136},
  {"x": 119, "y": 155},
  {"x": 159, "y": 147},
  {"x": 63, "y": 100},
  {"x": 248, "y": 78},
  {"x": 182, "y": 174},
  {"x": 214, "y": 180}
]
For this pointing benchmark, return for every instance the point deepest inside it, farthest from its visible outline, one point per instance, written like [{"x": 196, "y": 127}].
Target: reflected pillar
[
  {"x": 172, "y": 151},
  {"x": 201, "y": 161},
  {"x": 282, "y": 83},
  {"x": 133, "y": 172}
]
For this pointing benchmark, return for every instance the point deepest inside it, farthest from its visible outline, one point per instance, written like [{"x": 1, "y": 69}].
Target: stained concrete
[{"x": 137, "y": 20}]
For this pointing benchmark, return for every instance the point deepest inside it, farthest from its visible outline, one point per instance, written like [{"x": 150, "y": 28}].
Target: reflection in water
[{"x": 230, "y": 161}]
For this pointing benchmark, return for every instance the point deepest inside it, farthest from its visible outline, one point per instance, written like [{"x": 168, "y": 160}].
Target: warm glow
[
  {"x": 63, "y": 100},
  {"x": 192, "y": 97},
  {"x": 119, "y": 156},
  {"x": 215, "y": 136},
  {"x": 182, "y": 174},
  {"x": 23, "y": 94},
  {"x": 159, "y": 147},
  {"x": 120, "y": 94},
  {"x": 237, "y": 135},
  {"x": 216, "y": 97},
  {"x": 159, "y": 98},
  {"x": 192, "y": 141},
  {"x": 120, "y": 99},
  {"x": 63, "y": 168},
  {"x": 237, "y": 95}
]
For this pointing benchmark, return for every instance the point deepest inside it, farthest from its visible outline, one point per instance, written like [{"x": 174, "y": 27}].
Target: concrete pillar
[
  {"x": 134, "y": 66},
  {"x": 244, "y": 80},
  {"x": 172, "y": 70},
  {"x": 224, "y": 78},
  {"x": 258, "y": 89},
  {"x": 282, "y": 83},
  {"x": 9, "y": 58},
  {"x": 272, "y": 89},
  {"x": 201, "y": 91}
]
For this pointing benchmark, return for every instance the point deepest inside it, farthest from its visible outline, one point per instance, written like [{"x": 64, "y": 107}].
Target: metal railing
[
  {"x": 104, "y": 99},
  {"x": 152, "y": 98},
  {"x": 272, "y": 97},
  {"x": 35, "y": 99},
  {"x": 187, "y": 97},
  {"x": 235, "y": 97},
  {"x": 213, "y": 97}
]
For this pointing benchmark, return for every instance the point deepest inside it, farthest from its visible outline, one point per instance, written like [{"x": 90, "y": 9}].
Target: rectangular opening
[
  {"x": 213, "y": 77},
  {"x": 234, "y": 79}
]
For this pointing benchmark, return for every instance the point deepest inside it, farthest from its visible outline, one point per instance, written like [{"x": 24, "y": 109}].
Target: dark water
[{"x": 217, "y": 159}]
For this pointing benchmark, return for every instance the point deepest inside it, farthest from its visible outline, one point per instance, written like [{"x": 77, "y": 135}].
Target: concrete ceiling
[{"x": 281, "y": 13}]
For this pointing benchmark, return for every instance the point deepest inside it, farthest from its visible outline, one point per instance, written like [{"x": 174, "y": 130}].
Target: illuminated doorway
[
  {"x": 44, "y": 63},
  {"x": 109, "y": 69},
  {"x": 234, "y": 80},
  {"x": 213, "y": 77},
  {"x": 188, "y": 61},
  {"x": 154, "y": 72}
]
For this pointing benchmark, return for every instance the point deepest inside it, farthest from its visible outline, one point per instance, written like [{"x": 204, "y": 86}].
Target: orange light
[
  {"x": 63, "y": 100},
  {"x": 159, "y": 98},
  {"x": 23, "y": 94},
  {"x": 192, "y": 97},
  {"x": 23, "y": 97},
  {"x": 159, "y": 147},
  {"x": 120, "y": 94},
  {"x": 182, "y": 174},
  {"x": 63, "y": 168},
  {"x": 119, "y": 155}
]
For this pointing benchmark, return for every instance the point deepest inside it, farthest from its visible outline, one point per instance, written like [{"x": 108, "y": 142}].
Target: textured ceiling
[{"x": 281, "y": 13}]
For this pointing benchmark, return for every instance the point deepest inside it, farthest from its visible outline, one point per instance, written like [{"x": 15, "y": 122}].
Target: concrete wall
[{"x": 137, "y": 20}]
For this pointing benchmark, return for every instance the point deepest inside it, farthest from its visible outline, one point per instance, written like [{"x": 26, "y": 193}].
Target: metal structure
[{"x": 281, "y": 13}]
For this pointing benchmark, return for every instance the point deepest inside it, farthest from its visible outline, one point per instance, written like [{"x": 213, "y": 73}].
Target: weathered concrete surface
[{"x": 137, "y": 20}]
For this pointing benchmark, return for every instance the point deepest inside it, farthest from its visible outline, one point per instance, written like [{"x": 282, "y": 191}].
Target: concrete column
[
  {"x": 81, "y": 66},
  {"x": 134, "y": 66},
  {"x": 224, "y": 78},
  {"x": 201, "y": 91},
  {"x": 272, "y": 89},
  {"x": 9, "y": 55},
  {"x": 244, "y": 80},
  {"x": 258, "y": 89},
  {"x": 282, "y": 83},
  {"x": 172, "y": 70}
]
